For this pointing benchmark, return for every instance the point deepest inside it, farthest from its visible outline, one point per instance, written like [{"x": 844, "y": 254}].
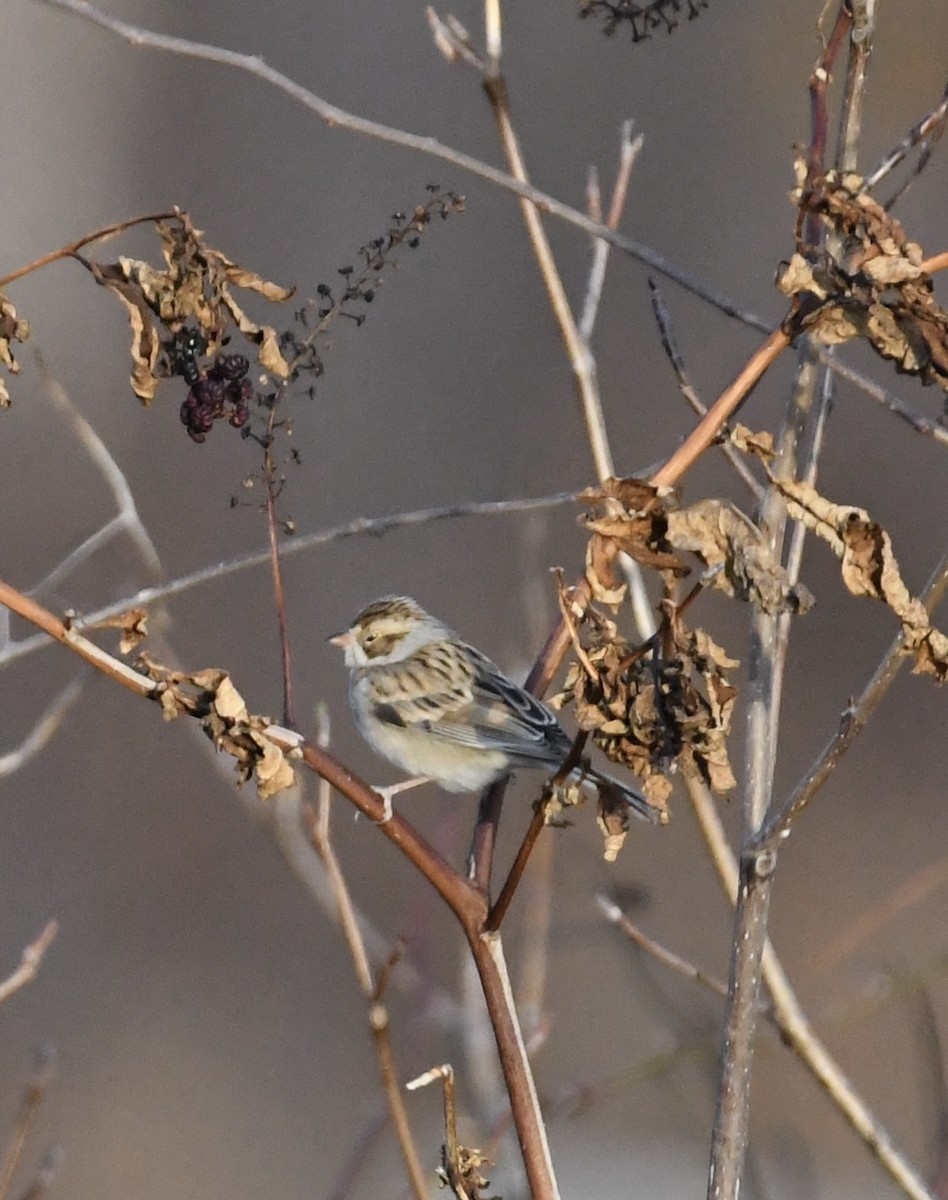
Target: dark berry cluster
[
  {"x": 186, "y": 349},
  {"x": 223, "y": 390},
  {"x": 642, "y": 18}
]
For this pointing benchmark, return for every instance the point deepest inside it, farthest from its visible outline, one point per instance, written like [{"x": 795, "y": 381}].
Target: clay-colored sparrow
[{"x": 438, "y": 708}]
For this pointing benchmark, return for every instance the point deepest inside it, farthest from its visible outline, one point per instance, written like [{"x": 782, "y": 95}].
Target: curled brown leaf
[
  {"x": 12, "y": 329},
  {"x": 870, "y": 568},
  {"x": 728, "y": 542},
  {"x": 211, "y": 697},
  {"x": 196, "y": 285}
]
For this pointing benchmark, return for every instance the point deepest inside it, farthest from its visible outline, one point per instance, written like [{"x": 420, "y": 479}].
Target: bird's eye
[{"x": 369, "y": 638}]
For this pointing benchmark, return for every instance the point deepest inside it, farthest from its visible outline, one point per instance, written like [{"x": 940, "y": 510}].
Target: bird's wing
[{"x": 462, "y": 697}]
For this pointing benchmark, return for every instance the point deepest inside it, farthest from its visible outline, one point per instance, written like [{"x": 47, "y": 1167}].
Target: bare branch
[
  {"x": 43, "y": 731},
  {"x": 30, "y": 962},
  {"x": 889, "y": 400},
  {"x": 615, "y": 916},
  {"x": 852, "y": 722},
  {"x": 670, "y": 344},
  {"x": 629, "y": 151},
  {"x": 337, "y": 118},
  {"x": 374, "y": 526},
  {"x": 318, "y": 826},
  {"x": 33, "y": 1095},
  {"x": 791, "y": 1019},
  {"x": 127, "y": 519}
]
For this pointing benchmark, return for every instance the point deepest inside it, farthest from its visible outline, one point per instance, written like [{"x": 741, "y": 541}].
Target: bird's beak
[{"x": 342, "y": 640}]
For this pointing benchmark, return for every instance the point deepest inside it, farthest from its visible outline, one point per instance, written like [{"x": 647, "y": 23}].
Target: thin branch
[
  {"x": 629, "y": 150},
  {"x": 852, "y": 722},
  {"x": 358, "y": 1158},
  {"x": 733, "y": 396},
  {"x": 791, "y": 1019},
  {"x": 337, "y": 118},
  {"x": 669, "y": 343},
  {"x": 889, "y": 400},
  {"x": 30, "y": 961},
  {"x": 615, "y": 916},
  {"x": 918, "y": 887},
  {"x": 925, "y": 132},
  {"x": 43, "y": 1180},
  {"x": 318, "y": 827},
  {"x": 276, "y": 572},
  {"x": 43, "y": 731},
  {"x": 583, "y": 365},
  {"x": 72, "y": 248},
  {"x": 374, "y": 526},
  {"x": 32, "y": 1098},
  {"x": 769, "y": 642},
  {"x": 499, "y": 910},
  {"x": 128, "y": 517}
]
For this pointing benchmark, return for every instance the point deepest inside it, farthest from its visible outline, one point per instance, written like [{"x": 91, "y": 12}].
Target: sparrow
[{"x": 439, "y": 709}]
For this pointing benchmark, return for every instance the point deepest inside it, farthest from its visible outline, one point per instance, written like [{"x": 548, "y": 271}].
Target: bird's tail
[{"x": 614, "y": 792}]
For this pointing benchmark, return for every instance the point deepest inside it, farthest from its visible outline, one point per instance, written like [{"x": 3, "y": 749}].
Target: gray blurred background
[{"x": 211, "y": 1038}]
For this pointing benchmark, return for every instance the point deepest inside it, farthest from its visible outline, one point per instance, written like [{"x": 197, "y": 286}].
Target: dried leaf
[
  {"x": 601, "y": 572},
  {"x": 146, "y": 342},
  {"x": 761, "y": 445},
  {"x": 614, "y": 821},
  {"x": 12, "y": 329},
  {"x": 631, "y": 519},
  {"x": 723, "y": 537},
  {"x": 134, "y": 626},
  {"x": 874, "y": 287},
  {"x": 869, "y": 568},
  {"x": 210, "y": 696},
  {"x": 196, "y": 285}
]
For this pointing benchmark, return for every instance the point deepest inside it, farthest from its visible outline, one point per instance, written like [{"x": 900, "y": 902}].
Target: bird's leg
[{"x": 388, "y": 792}]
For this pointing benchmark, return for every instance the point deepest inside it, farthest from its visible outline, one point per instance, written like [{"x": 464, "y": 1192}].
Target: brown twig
[
  {"x": 32, "y": 1098},
  {"x": 499, "y": 910},
  {"x": 72, "y": 248},
  {"x": 918, "y": 887},
  {"x": 708, "y": 428},
  {"x": 615, "y": 916},
  {"x": 670, "y": 346}
]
